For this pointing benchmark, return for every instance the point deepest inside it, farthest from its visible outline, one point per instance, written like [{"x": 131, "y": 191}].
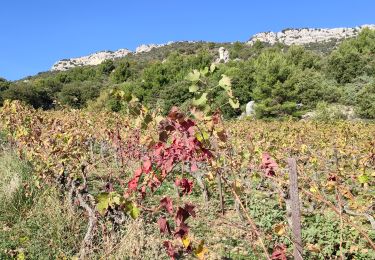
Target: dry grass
[{"x": 10, "y": 176}]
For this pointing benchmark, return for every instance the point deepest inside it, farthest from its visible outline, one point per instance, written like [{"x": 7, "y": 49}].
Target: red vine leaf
[
  {"x": 185, "y": 184},
  {"x": 194, "y": 167},
  {"x": 183, "y": 214},
  {"x": 181, "y": 231},
  {"x": 279, "y": 252},
  {"x": 268, "y": 165},
  {"x": 170, "y": 249},
  {"x": 190, "y": 208},
  {"x": 147, "y": 166},
  {"x": 164, "y": 226},
  {"x": 167, "y": 204}
]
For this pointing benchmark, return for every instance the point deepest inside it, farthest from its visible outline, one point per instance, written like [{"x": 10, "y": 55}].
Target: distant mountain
[{"x": 305, "y": 36}]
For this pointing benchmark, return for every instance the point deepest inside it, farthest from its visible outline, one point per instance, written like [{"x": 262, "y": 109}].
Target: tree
[
  {"x": 366, "y": 102},
  {"x": 353, "y": 58},
  {"x": 29, "y": 93},
  {"x": 77, "y": 94},
  {"x": 121, "y": 73},
  {"x": 273, "y": 96},
  {"x": 4, "y": 85},
  {"x": 106, "y": 67}
]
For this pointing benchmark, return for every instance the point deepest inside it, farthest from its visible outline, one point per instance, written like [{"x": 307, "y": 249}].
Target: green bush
[
  {"x": 366, "y": 102},
  {"x": 329, "y": 112},
  {"x": 121, "y": 73},
  {"x": 36, "y": 96},
  {"x": 77, "y": 94},
  {"x": 353, "y": 58}
]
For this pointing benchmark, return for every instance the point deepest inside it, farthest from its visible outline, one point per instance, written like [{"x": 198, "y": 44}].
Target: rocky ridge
[
  {"x": 288, "y": 37},
  {"x": 98, "y": 57},
  {"x": 307, "y": 36},
  {"x": 92, "y": 59}
]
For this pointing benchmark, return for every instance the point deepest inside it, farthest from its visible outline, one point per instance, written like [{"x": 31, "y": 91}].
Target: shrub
[
  {"x": 77, "y": 94},
  {"x": 366, "y": 102}
]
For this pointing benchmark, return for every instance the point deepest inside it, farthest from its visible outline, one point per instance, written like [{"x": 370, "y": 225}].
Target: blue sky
[{"x": 36, "y": 33}]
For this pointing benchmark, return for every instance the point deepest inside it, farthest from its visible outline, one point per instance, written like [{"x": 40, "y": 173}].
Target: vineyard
[{"x": 140, "y": 185}]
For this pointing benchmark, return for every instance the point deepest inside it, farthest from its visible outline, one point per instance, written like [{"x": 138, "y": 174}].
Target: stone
[
  {"x": 146, "y": 48},
  {"x": 223, "y": 55},
  {"x": 250, "y": 108}
]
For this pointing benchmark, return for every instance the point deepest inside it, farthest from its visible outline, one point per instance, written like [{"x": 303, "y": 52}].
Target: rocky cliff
[
  {"x": 92, "y": 59},
  {"x": 307, "y": 36},
  {"x": 288, "y": 37},
  {"x": 99, "y": 57}
]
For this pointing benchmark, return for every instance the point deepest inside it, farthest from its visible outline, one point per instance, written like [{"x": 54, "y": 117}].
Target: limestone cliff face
[
  {"x": 149, "y": 47},
  {"x": 92, "y": 59},
  {"x": 288, "y": 37},
  {"x": 307, "y": 36},
  {"x": 99, "y": 57}
]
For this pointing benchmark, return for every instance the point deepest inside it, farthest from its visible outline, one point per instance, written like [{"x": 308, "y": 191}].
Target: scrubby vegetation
[
  {"x": 139, "y": 158},
  {"x": 284, "y": 81}
]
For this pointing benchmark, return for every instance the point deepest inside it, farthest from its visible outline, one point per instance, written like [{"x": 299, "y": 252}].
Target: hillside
[
  {"x": 194, "y": 150},
  {"x": 305, "y": 36},
  {"x": 290, "y": 73}
]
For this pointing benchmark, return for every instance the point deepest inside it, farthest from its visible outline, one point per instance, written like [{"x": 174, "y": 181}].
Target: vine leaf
[
  {"x": 212, "y": 68},
  {"x": 164, "y": 226},
  {"x": 225, "y": 82},
  {"x": 167, "y": 204},
  {"x": 280, "y": 229},
  {"x": 234, "y": 103},
  {"x": 363, "y": 178},
  {"x": 193, "y": 76},
  {"x": 103, "y": 203},
  {"x": 202, "y": 100},
  {"x": 185, "y": 184},
  {"x": 279, "y": 253},
  {"x": 201, "y": 250},
  {"x": 186, "y": 241},
  {"x": 133, "y": 210},
  {"x": 204, "y": 71},
  {"x": 193, "y": 88},
  {"x": 170, "y": 249}
]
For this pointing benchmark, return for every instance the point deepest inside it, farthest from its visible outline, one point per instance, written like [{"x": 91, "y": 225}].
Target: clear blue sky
[{"x": 36, "y": 33}]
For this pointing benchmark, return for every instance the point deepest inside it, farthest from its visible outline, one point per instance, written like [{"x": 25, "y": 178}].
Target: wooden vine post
[{"x": 295, "y": 209}]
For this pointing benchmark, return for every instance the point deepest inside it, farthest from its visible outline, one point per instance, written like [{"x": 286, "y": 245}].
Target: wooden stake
[{"x": 295, "y": 209}]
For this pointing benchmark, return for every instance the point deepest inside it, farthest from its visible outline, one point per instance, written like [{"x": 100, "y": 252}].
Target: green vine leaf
[
  {"x": 133, "y": 210},
  {"x": 193, "y": 88},
  {"x": 103, "y": 203},
  {"x": 234, "y": 103},
  {"x": 225, "y": 82},
  {"x": 212, "y": 68},
  {"x": 193, "y": 76},
  {"x": 202, "y": 100},
  {"x": 204, "y": 71}
]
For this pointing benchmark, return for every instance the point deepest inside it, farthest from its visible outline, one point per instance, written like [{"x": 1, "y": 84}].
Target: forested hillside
[{"x": 282, "y": 80}]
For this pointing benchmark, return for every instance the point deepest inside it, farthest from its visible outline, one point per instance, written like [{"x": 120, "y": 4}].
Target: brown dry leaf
[
  {"x": 353, "y": 248},
  {"x": 313, "y": 248},
  {"x": 280, "y": 229}
]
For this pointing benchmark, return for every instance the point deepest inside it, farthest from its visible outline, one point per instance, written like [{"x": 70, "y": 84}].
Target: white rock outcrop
[
  {"x": 149, "y": 47},
  {"x": 250, "y": 108},
  {"x": 223, "y": 55},
  {"x": 307, "y": 36},
  {"x": 92, "y": 59}
]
